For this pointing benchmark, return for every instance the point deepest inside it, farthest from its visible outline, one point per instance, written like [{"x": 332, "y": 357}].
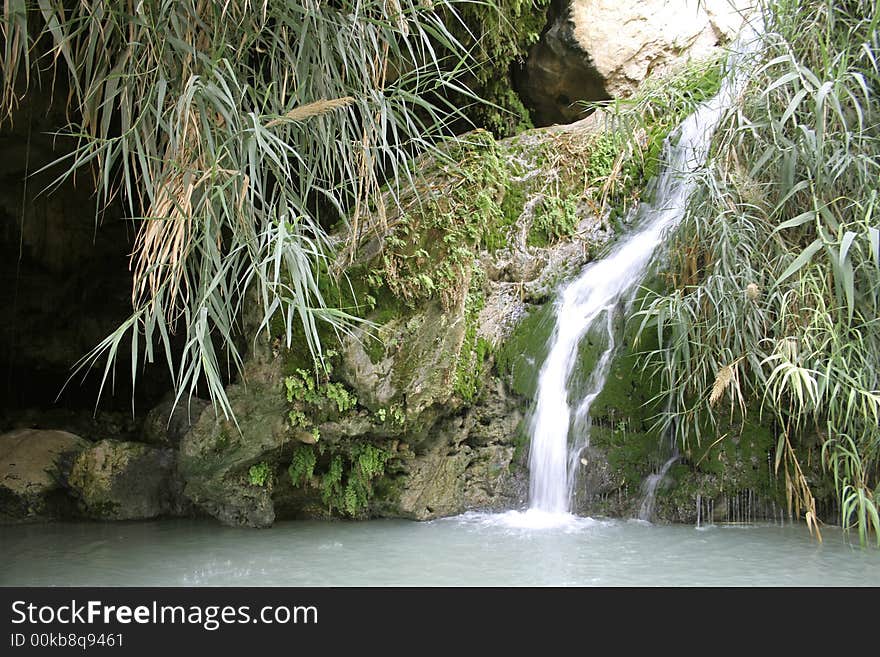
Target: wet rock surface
[
  {"x": 169, "y": 422},
  {"x": 216, "y": 455},
  {"x": 125, "y": 481}
]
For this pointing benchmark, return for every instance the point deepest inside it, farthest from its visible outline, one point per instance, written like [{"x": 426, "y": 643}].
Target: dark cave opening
[{"x": 65, "y": 284}]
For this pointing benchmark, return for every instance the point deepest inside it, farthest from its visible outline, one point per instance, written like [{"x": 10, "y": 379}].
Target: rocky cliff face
[
  {"x": 599, "y": 49},
  {"x": 408, "y": 416}
]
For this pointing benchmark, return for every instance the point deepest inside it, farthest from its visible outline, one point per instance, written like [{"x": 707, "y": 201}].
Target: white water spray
[
  {"x": 603, "y": 289},
  {"x": 649, "y": 488}
]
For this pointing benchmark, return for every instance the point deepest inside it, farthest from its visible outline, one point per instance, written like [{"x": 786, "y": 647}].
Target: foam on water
[{"x": 530, "y": 519}]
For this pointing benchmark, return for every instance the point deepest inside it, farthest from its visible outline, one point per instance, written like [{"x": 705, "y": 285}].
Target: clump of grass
[{"x": 775, "y": 274}]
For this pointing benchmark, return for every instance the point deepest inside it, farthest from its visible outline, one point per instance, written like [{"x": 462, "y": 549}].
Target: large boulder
[
  {"x": 216, "y": 454},
  {"x": 32, "y": 463},
  {"x": 167, "y": 423},
  {"x": 601, "y": 49},
  {"x": 125, "y": 481},
  {"x": 471, "y": 463},
  {"x": 414, "y": 369}
]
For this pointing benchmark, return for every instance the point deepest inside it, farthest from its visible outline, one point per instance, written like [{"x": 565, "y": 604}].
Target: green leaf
[
  {"x": 780, "y": 447},
  {"x": 799, "y": 220},
  {"x": 874, "y": 242},
  {"x": 803, "y": 258}
]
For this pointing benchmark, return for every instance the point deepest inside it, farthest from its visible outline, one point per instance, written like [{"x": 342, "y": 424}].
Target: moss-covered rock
[
  {"x": 469, "y": 464},
  {"x": 520, "y": 357},
  {"x": 421, "y": 412},
  {"x": 167, "y": 423},
  {"x": 737, "y": 463},
  {"x": 415, "y": 370},
  {"x": 125, "y": 481},
  {"x": 415, "y": 388},
  {"x": 627, "y": 447},
  {"x": 216, "y": 454}
]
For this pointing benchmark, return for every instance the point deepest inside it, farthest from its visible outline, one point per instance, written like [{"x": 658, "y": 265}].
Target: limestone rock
[
  {"x": 630, "y": 39},
  {"x": 167, "y": 423},
  {"x": 241, "y": 503},
  {"x": 31, "y": 471},
  {"x": 600, "y": 49},
  {"x": 215, "y": 455},
  {"x": 416, "y": 367},
  {"x": 468, "y": 465},
  {"x": 124, "y": 481}
]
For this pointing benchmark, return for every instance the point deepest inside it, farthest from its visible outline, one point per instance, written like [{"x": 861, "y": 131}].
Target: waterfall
[
  {"x": 604, "y": 289},
  {"x": 649, "y": 488}
]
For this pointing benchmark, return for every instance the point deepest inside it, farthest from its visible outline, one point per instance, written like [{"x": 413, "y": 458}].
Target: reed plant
[
  {"x": 235, "y": 133},
  {"x": 771, "y": 302}
]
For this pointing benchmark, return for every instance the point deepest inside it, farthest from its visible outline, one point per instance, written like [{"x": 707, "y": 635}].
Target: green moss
[
  {"x": 375, "y": 347},
  {"x": 738, "y": 460},
  {"x": 627, "y": 392},
  {"x": 511, "y": 209},
  {"x": 432, "y": 247},
  {"x": 632, "y": 454},
  {"x": 259, "y": 474},
  {"x": 519, "y": 358},
  {"x": 640, "y": 126},
  {"x": 346, "y": 481},
  {"x": 520, "y": 445},
  {"x": 624, "y": 427},
  {"x": 555, "y": 218},
  {"x": 222, "y": 440},
  {"x": 474, "y": 350},
  {"x": 349, "y": 292}
]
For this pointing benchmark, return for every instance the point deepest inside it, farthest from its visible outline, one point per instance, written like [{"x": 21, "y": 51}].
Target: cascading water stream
[
  {"x": 603, "y": 289},
  {"x": 649, "y": 487}
]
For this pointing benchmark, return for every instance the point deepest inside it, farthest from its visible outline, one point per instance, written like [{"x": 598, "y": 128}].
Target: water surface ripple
[{"x": 510, "y": 549}]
